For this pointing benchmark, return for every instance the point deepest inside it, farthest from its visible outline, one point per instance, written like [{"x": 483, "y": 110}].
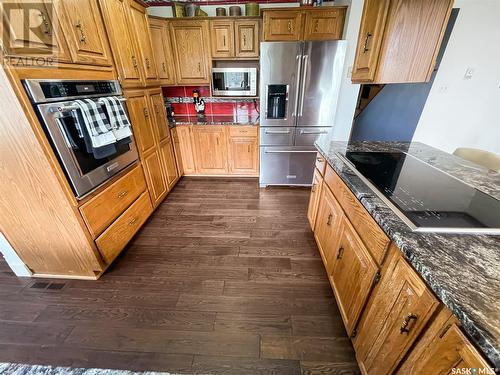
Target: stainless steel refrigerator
[{"x": 299, "y": 88}]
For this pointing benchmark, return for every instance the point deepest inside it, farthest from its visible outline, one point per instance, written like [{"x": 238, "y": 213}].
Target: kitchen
[{"x": 179, "y": 246}]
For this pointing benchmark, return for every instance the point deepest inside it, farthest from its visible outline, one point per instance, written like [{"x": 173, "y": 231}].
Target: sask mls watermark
[
  {"x": 473, "y": 371},
  {"x": 28, "y": 33}
]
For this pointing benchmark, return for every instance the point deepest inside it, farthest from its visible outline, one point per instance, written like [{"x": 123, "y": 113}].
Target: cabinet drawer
[
  {"x": 105, "y": 207},
  {"x": 320, "y": 164},
  {"x": 243, "y": 131},
  {"x": 373, "y": 237},
  {"x": 118, "y": 234}
]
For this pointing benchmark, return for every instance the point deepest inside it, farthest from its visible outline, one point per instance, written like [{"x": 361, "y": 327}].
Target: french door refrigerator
[{"x": 299, "y": 88}]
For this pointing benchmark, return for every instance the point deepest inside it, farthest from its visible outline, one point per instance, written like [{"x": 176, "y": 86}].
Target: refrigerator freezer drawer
[
  {"x": 276, "y": 136},
  {"x": 307, "y": 136},
  {"x": 286, "y": 165}
]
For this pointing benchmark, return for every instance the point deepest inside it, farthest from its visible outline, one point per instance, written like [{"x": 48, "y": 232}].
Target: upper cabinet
[
  {"x": 230, "y": 38},
  {"x": 85, "y": 33},
  {"x": 140, "y": 27},
  {"x": 123, "y": 43},
  {"x": 293, "y": 24},
  {"x": 399, "y": 40},
  {"x": 162, "y": 47},
  {"x": 191, "y": 51}
]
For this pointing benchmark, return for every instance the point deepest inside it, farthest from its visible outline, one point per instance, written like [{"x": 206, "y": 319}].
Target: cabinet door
[
  {"x": 160, "y": 38},
  {"x": 142, "y": 123},
  {"x": 442, "y": 349},
  {"x": 140, "y": 25},
  {"x": 85, "y": 33},
  {"x": 329, "y": 221},
  {"x": 210, "y": 149},
  {"x": 243, "y": 156},
  {"x": 168, "y": 161},
  {"x": 353, "y": 266},
  {"x": 396, "y": 314},
  {"x": 185, "y": 149},
  {"x": 190, "y": 43},
  {"x": 222, "y": 37},
  {"x": 371, "y": 32},
  {"x": 314, "y": 198},
  {"x": 155, "y": 177},
  {"x": 160, "y": 117},
  {"x": 45, "y": 38},
  {"x": 247, "y": 38},
  {"x": 324, "y": 24},
  {"x": 122, "y": 42},
  {"x": 282, "y": 25}
]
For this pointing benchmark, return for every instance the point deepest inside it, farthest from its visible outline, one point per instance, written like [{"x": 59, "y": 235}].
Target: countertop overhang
[{"x": 463, "y": 270}]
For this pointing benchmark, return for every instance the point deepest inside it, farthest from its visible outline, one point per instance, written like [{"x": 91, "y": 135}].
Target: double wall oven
[{"x": 54, "y": 103}]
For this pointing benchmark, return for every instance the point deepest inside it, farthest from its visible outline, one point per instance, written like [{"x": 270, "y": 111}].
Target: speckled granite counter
[
  {"x": 213, "y": 120},
  {"x": 462, "y": 270}
]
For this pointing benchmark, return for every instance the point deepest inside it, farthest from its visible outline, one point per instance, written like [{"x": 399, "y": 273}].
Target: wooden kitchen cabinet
[
  {"x": 329, "y": 221},
  {"x": 210, "y": 149},
  {"x": 316, "y": 187},
  {"x": 168, "y": 159},
  {"x": 399, "y": 40},
  {"x": 442, "y": 348},
  {"x": 222, "y": 38},
  {"x": 244, "y": 156},
  {"x": 85, "y": 33},
  {"x": 352, "y": 265},
  {"x": 123, "y": 42},
  {"x": 294, "y": 24},
  {"x": 397, "y": 312},
  {"x": 158, "y": 187},
  {"x": 142, "y": 123},
  {"x": 185, "y": 149},
  {"x": 140, "y": 27},
  {"x": 160, "y": 116},
  {"x": 162, "y": 47},
  {"x": 190, "y": 42},
  {"x": 247, "y": 38}
]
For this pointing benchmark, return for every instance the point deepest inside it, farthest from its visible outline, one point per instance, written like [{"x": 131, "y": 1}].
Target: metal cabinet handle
[
  {"x": 83, "y": 37},
  {"x": 47, "y": 29},
  {"x": 406, "y": 322},
  {"x": 329, "y": 220},
  {"x": 313, "y": 188},
  {"x": 244, "y": 39},
  {"x": 316, "y": 26},
  {"x": 320, "y": 160},
  {"x": 134, "y": 62},
  {"x": 224, "y": 40},
  {"x": 289, "y": 26},
  {"x": 122, "y": 194},
  {"x": 163, "y": 66},
  {"x": 133, "y": 221},
  {"x": 199, "y": 67},
  {"x": 365, "y": 47},
  {"x": 340, "y": 254},
  {"x": 148, "y": 63},
  {"x": 217, "y": 139},
  {"x": 146, "y": 113}
]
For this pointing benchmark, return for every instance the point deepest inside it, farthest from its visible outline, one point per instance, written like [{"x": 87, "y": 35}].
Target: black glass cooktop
[{"x": 429, "y": 199}]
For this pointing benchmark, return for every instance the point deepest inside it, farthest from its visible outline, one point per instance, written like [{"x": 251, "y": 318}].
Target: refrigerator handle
[
  {"x": 303, "y": 88},
  {"x": 297, "y": 83}
]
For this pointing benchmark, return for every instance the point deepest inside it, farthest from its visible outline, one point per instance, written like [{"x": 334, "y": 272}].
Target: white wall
[{"x": 463, "y": 112}]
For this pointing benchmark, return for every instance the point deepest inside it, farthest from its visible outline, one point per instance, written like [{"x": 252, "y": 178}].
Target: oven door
[
  {"x": 84, "y": 170},
  {"x": 234, "y": 81}
]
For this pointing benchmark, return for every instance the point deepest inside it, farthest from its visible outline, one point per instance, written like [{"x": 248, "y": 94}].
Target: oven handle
[
  {"x": 64, "y": 133},
  {"x": 290, "y": 151},
  {"x": 74, "y": 107}
]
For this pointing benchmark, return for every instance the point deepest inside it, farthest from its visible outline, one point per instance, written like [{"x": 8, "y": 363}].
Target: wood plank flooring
[{"x": 224, "y": 278}]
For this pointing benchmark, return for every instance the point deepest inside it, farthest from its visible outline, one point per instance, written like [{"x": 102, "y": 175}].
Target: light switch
[{"x": 469, "y": 73}]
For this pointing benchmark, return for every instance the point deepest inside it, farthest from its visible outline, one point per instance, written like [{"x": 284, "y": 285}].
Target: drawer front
[
  {"x": 286, "y": 166},
  {"x": 276, "y": 136},
  {"x": 372, "y": 235},
  {"x": 243, "y": 131},
  {"x": 118, "y": 234},
  {"x": 320, "y": 163},
  {"x": 307, "y": 136},
  {"x": 105, "y": 207}
]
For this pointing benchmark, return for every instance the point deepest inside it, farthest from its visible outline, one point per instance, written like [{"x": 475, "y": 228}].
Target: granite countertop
[
  {"x": 463, "y": 270},
  {"x": 213, "y": 120}
]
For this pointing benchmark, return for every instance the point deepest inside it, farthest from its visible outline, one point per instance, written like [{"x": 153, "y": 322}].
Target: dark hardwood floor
[{"x": 225, "y": 278}]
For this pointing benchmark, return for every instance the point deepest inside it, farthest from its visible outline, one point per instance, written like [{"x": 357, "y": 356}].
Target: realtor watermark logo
[
  {"x": 28, "y": 33},
  {"x": 473, "y": 371}
]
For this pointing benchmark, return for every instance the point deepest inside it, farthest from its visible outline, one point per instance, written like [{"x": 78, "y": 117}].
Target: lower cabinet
[
  {"x": 153, "y": 169},
  {"x": 312, "y": 209},
  {"x": 218, "y": 149},
  {"x": 168, "y": 160}
]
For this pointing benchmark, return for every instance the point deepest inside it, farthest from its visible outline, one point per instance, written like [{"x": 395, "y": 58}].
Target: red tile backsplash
[
  {"x": 203, "y": 90},
  {"x": 174, "y": 91}
]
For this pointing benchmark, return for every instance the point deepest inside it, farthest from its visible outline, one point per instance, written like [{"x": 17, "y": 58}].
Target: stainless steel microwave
[{"x": 234, "y": 81}]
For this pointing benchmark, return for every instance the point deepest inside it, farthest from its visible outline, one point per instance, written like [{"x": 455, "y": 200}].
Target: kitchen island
[{"x": 462, "y": 270}]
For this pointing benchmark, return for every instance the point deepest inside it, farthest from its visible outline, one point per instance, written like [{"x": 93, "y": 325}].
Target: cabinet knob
[
  {"x": 406, "y": 322},
  {"x": 164, "y": 67},
  {"x": 365, "y": 47},
  {"x": 133, "y": 221},
  {"x": 146, "y": 112},
  {"x": 340, "y": 254},
  {"x": 122, "y": 194},
  {"x": 134, "y": 62},
  {"x": 329, "y": 220},
  {"x": 148, "y": 63}
]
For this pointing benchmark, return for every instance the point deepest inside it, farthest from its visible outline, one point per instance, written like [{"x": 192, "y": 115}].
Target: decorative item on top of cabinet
[
  {"x": 160, "y": 37},
  {"x": 140, "y": 27},
  {"x": 442, "y": 348},
  {"x": 85, "y": 33},
  {"x": 210, "y": 149},
  {"x": 399, "y": 40},
  {"x": 294, "y": 24},
  {"x": 123, "y": 42},
  {"x": 396, "y": 313},
  {"x": 190, "y": 41},
  {"x": 312, "y": 209}
]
